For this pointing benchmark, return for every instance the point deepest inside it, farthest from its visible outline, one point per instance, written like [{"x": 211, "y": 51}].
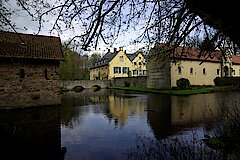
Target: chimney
[{"x": 115, "y": 50}]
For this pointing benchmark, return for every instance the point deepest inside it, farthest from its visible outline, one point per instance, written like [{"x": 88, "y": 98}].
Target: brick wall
[{"x": 23, "y": 84}]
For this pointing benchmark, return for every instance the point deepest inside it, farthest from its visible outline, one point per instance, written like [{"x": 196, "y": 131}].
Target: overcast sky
[{"x": 23, "y": 20}]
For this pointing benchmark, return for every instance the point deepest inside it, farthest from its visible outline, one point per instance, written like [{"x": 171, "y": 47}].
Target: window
[
  {"x": 140, "y": 72},
  {"x": 135, "y": 63},
  {"x": 179, "y": 70},
  {"x": 121, "y": 58},
  {"x": 46, "y": 74},
  {"x": 135, "y": 72},
  {"x": 140, "y": 63},
  {"x": 144, "y": 72},
  {"x": 22, "y": 74},
  {"x": 233, "y": 72},
  {"x": 218, "y": 71},
  {"x": 117, "y": 70},
  {"x": 204, "y": 71},
  {"x": 125, "y": 70},
  {"x": 191, "y": 71}
]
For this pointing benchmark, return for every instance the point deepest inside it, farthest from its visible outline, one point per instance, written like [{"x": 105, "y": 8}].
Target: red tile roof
[
  {"x": 194, "y": 54},
  {"x": 185, "y": 53},
  {"x": 19, "y": 45}
]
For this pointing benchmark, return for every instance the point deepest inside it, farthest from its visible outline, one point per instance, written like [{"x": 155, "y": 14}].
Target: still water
[
  {"x": 113, "y": 124},
  {"x": 110, "y": 125}
]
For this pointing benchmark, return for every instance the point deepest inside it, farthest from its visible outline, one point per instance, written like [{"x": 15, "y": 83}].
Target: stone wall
[
  {"x": 85, "y": 84},
  {"x": 140, "y": 81},
  {"x": 158, "y": 73},
  {"x": 23, "y": 84}
]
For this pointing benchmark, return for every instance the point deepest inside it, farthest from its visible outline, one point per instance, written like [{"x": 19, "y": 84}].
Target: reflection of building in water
[
  {"x": 190, "y": 110},
  {"x": 123, "y": 106},
  {"x": 168, "y": 114},
  {"x": 32, "y": 133},
  {"x": 159, "y": 114}
]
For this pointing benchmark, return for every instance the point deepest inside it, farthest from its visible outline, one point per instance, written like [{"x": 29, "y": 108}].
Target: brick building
[{"x": 29, "y": 70}]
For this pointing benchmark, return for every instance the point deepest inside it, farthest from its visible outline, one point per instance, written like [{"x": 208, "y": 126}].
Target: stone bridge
[{"x": 85, "y": 84}]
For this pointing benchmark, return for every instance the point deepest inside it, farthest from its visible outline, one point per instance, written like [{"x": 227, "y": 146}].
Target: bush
[
  {"x": 127, "y": 84},
  {"x": 183, "y": 83}
]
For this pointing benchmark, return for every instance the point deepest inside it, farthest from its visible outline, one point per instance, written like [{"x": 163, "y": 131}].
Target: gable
[{"x": 117, "y": 59}]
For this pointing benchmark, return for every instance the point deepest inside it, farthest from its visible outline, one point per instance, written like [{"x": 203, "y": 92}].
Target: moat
[{"x": 112, "y": 124}]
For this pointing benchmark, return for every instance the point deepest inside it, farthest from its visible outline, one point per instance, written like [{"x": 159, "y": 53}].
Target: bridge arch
[{"x": 69, "y": 85}]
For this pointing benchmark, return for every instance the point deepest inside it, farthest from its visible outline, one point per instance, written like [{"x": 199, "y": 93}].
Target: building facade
[
  {"x": 164, "y": 69},
  {"x": 119, "y": 64},
  {"x": 29, "y": 70}
]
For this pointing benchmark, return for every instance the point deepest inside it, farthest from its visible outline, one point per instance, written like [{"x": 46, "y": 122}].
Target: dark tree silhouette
[{"x": 175, "y": 22}]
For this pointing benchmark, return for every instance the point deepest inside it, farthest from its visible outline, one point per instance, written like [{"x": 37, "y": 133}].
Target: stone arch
[
  {"x": 78, "y": 88},
  {"x": 96, "y": 87}
]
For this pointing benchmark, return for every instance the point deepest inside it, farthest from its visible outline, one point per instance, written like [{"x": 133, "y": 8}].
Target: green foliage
[
  {"x": 183, "y": 83},
  {"x": 76, "y": 66},
  {"x": 127, "y": 84},
  {"x": 226, "y": 81}
]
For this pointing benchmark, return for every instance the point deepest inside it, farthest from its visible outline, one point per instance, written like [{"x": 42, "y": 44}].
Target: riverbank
[{"x": 189, "y": 91}]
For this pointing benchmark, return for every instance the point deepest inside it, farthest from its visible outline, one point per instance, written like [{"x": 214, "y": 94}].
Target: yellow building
[
  {"x": 167, "y": 65},
  {"x": 118, "y": 64}
]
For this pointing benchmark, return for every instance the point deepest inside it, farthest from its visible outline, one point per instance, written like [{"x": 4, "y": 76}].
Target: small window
[
  {"x": 125, "y": 70},
  {"x": 233, "y": 72},
  {"x": 135, "y": 72},
  {"x": 22, "y": 73},
  {"x": 121, "y": 58},
  {"x": 218, "y": 71},
  {"x": 179, "y": 70},
  {"x": 135, "y": 63},
  {"x": 140, "y": 63},
  {"x": 46, "y": 74},
  {"x": 144, "y": 72},
  {"x": 117, "y": 70},
  {"x": 204, "y": 71},
  {"x": 191, "y": 71}
]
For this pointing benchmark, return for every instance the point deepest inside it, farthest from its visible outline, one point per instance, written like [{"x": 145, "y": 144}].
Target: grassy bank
[{"x": 190, "y": 91}]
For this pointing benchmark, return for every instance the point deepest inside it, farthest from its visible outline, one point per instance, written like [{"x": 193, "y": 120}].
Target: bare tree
[{"x": 97, "y": 21}]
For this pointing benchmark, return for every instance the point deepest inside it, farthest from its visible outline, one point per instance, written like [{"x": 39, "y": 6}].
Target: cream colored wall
[
  {"x": 237, "y": 70},
  {"x": 197, "y": 78},
  {"x": 103, "y": 72},
  {"x": 116, "y": 63},
  {"x": 94, "y": 73},
  {"x": 137, "y": 59}
]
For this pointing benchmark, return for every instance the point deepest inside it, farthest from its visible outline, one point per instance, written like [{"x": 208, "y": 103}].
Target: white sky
[{"x": 23, "y": 20}]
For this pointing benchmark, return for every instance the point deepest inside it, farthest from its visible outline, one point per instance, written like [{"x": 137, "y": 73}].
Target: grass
[
  {"x": 190, "y": 91},
  {"x": 168, "y": 91}
]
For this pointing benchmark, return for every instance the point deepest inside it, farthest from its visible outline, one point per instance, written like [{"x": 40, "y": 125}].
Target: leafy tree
[{"x": 75, "y": 66}]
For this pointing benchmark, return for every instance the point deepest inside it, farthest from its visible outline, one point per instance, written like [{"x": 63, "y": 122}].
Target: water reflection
[
  {"x": 104, "y": 124},
  {"x": 31, "y": 133}
]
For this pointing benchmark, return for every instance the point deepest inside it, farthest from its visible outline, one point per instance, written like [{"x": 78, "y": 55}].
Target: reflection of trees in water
[{"x": 75, "y": 105}]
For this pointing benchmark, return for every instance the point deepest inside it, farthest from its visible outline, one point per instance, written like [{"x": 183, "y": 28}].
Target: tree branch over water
[{"x": 92, "y": 21}]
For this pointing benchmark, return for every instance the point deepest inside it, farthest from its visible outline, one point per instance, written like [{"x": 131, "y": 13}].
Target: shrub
[
  {"x": 127, "y": 84},
  {"x": 183, "y": 83}
]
